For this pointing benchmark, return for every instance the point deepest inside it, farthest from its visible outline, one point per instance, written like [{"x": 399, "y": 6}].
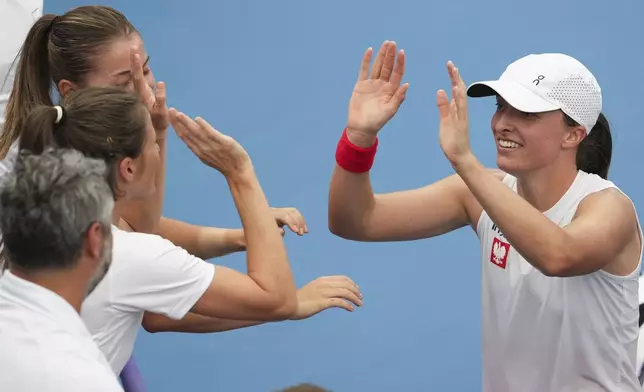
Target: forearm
[
  {"x": 203, "y": 242},
  {"x": 351, "y": 197},
  {"x": 192, "y": 323},
  {"x": 144, "y": 215},
  {"x": 267, "y": 261},
  {"x": 540, "y": 241}
]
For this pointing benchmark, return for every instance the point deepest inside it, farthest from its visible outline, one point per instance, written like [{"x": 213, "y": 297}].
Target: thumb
[
  {"x": 399, "y": 95},
  {"x": 443, "y": 105}
]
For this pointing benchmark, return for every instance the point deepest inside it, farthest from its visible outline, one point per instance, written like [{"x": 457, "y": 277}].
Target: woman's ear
[
  {"x": 127, "y": 169},
  {"x": 65, "y": 87},
  {"x": 574, "y": 136}
]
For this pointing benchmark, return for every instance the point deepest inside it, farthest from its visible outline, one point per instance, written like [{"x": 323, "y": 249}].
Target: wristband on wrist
[{"x": 353, "y": 158}]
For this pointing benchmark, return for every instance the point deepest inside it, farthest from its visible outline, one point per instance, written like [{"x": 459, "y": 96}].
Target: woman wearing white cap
[{"x": 560, "y": 244}]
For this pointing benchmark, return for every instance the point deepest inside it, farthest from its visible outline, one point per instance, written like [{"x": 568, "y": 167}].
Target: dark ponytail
[
  {"x": 596, "y": 150},
  {"x": 32, "y": 85},
  {"x": 38, "y": 129}
]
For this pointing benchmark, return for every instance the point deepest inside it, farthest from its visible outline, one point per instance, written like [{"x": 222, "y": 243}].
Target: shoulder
[
  {"x": 611, "y": 200},
  {"x": 133, "y": 245}
]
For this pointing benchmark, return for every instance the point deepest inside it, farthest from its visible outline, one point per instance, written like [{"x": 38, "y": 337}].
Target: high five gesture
[{"x": 377, "y": 95}]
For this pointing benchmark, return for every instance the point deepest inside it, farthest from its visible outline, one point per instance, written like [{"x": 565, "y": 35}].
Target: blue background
[{"x": 277, "y": 76}]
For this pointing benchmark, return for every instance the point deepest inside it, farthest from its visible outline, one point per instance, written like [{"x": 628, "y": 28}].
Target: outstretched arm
[
  {"x": 210, "y": 242},
  {"x": 315, "y": 297},
  {"x": 354, "y": 211},
  {"x": 267, "y": 291}
]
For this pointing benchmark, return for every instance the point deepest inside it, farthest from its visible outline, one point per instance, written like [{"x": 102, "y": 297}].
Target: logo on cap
[{"x": 538, "y": 80}]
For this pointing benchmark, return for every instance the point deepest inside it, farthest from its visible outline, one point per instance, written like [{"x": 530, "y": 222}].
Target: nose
[{"x": 502, "y": 123}]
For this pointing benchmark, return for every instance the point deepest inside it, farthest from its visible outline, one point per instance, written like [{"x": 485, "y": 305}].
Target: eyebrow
[{"x": 127, "y": 71}]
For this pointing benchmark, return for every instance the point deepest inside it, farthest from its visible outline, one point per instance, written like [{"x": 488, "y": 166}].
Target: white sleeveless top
[{"x": 550, "y": 334}]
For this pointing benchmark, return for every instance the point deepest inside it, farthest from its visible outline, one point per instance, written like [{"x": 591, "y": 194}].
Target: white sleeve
[{"x": 155, "y": 275}]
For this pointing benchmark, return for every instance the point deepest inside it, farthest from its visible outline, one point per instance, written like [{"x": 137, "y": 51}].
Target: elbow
[
  {"x": 150, "y": 325},
  {"x": 553, "y": 270},
  {"x": 559, "y": 264},
  {"x": 342, "y": 227},
  {"x": 284, "y": 309}
]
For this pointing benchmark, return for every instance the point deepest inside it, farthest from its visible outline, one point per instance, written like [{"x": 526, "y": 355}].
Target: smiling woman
[{"x": 561, "y": 245}]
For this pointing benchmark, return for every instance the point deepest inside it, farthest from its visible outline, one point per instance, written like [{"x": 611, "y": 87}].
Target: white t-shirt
[
  {"x": 148, "y": 273},
  {"x": 551, "y": 334},
  {"x": 44, "y": 345}
]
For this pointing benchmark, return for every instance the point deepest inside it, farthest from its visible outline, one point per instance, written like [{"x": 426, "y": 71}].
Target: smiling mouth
[{"x": 508, "y": 144}]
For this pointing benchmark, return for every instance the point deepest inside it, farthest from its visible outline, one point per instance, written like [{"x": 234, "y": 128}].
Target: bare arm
[
  {"x": 203, "y": 242},
  {"x": 316, "y": 296},
  {"x": 356, "y": 213},
  {"x": 192, "y": 323},
  {"x": 267, "y": 292},
  {"x": 603, "y": 226}
]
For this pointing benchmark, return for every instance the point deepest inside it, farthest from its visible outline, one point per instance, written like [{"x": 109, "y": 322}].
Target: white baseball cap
[{"x": 544, "y": 82}]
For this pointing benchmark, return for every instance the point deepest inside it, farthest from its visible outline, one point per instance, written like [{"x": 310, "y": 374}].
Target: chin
[{"x": 509, "y": 166}]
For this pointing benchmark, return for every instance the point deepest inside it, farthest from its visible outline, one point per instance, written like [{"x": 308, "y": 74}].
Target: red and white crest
[{"x": 500, "y": 252}]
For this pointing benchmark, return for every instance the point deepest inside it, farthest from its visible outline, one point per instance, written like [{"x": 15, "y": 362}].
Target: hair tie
[{"x": 59, "y": 114}]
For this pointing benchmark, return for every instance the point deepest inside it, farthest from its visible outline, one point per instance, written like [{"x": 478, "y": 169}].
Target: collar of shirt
[{"x": 36, "y": 298}]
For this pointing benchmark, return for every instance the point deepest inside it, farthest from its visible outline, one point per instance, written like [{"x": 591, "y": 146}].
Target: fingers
[
  {"x": 399, "y": 69},
  {"x": 443, "y": 104},
  {"x": 459, "y": 94},
  {"x": 388, "y": 62},
  {"x": 296, "y": 222},
  {"x": 399, "y": 96},
  {"x": 141, "y": 87},
  {"x": 188, "y": 131},
  {"x": 208, "y": 129},
  {"x": 337, "y": 303},
  {"x": 343, "y": 293},
  {"x": 380, "y": 60},
  {"x": 341, "y": 282},
  {"x": 160, "y": 95},
  {"x": 364, "y": 67}
]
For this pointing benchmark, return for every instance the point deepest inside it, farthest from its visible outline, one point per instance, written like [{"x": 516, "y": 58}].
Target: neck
[
  {"x": 545, "y": 187},
  {"x": 116, "y": 213},
  {"x": 68, "y": 284}
]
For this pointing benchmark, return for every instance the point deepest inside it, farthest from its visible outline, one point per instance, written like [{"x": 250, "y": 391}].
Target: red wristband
[{"x": 353, "y": 158}]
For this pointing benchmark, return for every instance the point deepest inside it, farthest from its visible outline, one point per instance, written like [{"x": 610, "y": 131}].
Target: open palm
[
  {"x": 377, "y": 97},
  {"x": 453, "y": 133}
]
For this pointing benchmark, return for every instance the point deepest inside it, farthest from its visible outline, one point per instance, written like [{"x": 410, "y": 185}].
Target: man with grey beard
[{"x": 55, "y": 215}]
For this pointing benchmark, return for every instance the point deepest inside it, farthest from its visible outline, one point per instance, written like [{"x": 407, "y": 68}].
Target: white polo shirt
[
  {"x": 148, "y": 273},
  {"x": 44, "y": 345}
]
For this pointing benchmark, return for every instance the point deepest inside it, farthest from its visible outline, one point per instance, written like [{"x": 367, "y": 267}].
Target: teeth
[{"x": 508, "y": 144}]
